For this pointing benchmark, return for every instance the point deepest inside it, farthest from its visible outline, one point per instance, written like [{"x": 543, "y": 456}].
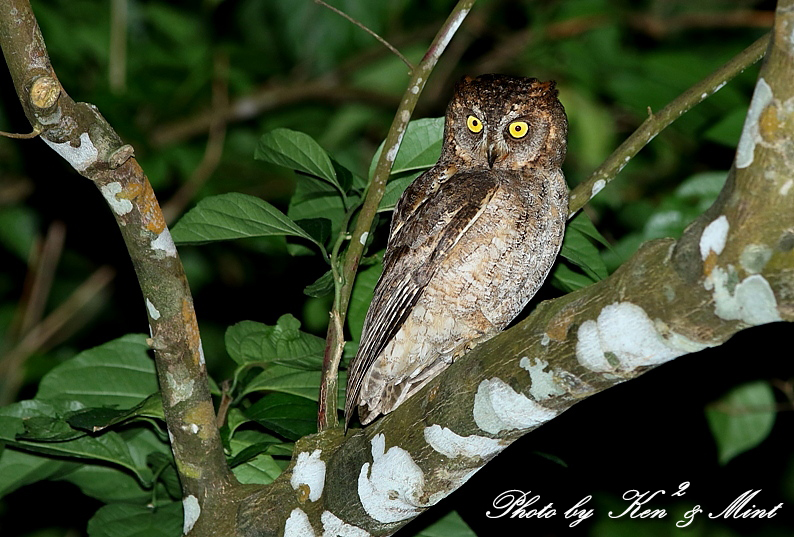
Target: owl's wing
[{"x": 424, "y": 230}]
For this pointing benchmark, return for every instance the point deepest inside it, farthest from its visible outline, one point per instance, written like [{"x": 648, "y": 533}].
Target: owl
[{"x": 471, "y": 240}]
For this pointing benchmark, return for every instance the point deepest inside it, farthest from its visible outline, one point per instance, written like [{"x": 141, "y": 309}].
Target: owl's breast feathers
[{"x": 466, "y": 251}]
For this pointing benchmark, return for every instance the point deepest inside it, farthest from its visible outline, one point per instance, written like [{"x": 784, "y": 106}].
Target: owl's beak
[{"x": 494, "y": 152}]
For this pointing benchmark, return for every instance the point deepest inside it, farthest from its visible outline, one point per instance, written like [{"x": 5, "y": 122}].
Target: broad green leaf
[
  {"x": 253, "y": 461},
  {"x": 284, "y": 343},
  {"x": 290, "y": 416},
  {"x": 118, "y": 374},
  {"x": 123, "y": 520},
  {"x": 315, "y": 199},
  {"x": 234, "y": 216},
  {"x": 298, "y": 151},
  {"x": 97, "y": 419},
  {"x": 360, "y": 299},
  {"x": 108, "y": 447},
  {"x": 450, "y": 525},
  {"x": 318, "y": 228},
  {"x": 728, "y": 129},
  {"x": 20, "y": 468},
  {"x": 322, "y": 286},
  {"x": 578, "y": 249},
  {"x": 163, "y": 466},
  {"x": 109, "y": 485},
  {"x": 283, "y": 379},
  {"x": 420, "y": 147},
  {"x": 582, "y": 223},
  {"x": 742, "y": 419},
  {"x": 565, "y": 279},
  {"x": 261, "y": 470}
]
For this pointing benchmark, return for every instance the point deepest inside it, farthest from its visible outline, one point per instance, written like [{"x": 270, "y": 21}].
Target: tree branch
[
  {"x": 81, "y": 135},
  {"x": 326, "y": 416},
  {"x": 732, "y": 269}
]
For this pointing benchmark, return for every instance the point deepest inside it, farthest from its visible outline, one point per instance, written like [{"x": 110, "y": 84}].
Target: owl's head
[{"x": 505, "y": 122}]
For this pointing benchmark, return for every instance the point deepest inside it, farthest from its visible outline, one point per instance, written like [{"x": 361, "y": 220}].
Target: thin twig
[
  {"x": 29, "y": 136},
  {"x": 658, "y": 121},
  {"x": 370, "y": 32},
  {"x": 326, "y": 416}
]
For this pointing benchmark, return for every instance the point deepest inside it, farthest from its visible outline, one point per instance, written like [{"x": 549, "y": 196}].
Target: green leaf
[
  {"x": 298, "y": 151},
  {"x": 578, "y": 249},
  {"x": 565, "y": 279},
  {"x": 20, "y": 468},
  {"x": 315, "y": 199},
  {"x": 109, "y": 485},
  {"x": 728, "y": 129},
  {"x": 582, "y": 223},
  {"x": 119, "y": 374},
  {"x": 420, "y": 147},
  {"x": 282, "y": 379},
  {"x": 253, "y": 460},
  {"x": 122, "y": 520},
  {"x": 450, "y": 525},
  {"x": 363, "y": 290},
  {"x": 234, "y": 216},
  {"x": 742, "y": 419},
  {"x": 108, "y": 447},
  {"x": 97, "y": 419},
  {"x": 321, "y": 287},
  {"x": 284, "y": 344},
  {"x": 290, "y": 416}
]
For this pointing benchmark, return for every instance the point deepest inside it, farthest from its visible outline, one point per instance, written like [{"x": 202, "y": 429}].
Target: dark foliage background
[{"x": 288, "y": 63}]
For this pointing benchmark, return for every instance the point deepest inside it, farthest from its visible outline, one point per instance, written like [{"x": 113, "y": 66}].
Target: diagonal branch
[
  {"x": 81, "y": 135},
  {"x": 671, "y": 299}
]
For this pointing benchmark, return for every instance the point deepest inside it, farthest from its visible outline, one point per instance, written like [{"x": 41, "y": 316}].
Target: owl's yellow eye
[
  {"x": 474, "y": 124},
  {"x": 518, "y": 129}
]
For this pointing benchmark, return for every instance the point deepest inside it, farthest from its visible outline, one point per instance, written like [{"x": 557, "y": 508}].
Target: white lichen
[
  {"x": 751, "y": 300},
  {"x": 543, "y": 384},
  {"x": 745, "y": 152},
  {"x": 80, "y": 157},
  {"x": 153, "y": 312},
  {"x": 202, "y": 361},
  {"x": 180, "y": 390},
  {"x": 298, "y": 525},
  {"x": 597, "y": 187},
  {"x": 363, "y": 239},
  {"x": 624, "y": 338},
  {"x": 452, "y": 445},
  {"x": 498, "y": 407},
  {"x": 164, "y": 243},
  {"x": 754, "y": 258},
  {"x": 310, "y": 471},
  {"x": 118, "y": 206},
  {"x": 390, "y": 490},
  {"x": 784, "y": 190},
  {"x": 333, "y": 526},
  {"x": 714, "y": 237},
  {"x": 192, "y": 511}
]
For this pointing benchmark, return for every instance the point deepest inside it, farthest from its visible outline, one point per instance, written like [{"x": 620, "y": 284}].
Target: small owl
[{"x": 471, "y": 240}]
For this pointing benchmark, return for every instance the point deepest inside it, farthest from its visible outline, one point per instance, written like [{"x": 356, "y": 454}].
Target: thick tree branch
[
  {"x": 81, "y": 135},
  {"x": 732, "y": 269}
]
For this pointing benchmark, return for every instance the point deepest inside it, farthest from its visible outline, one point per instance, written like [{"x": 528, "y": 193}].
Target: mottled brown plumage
[{"x": 471, "y": 240}]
